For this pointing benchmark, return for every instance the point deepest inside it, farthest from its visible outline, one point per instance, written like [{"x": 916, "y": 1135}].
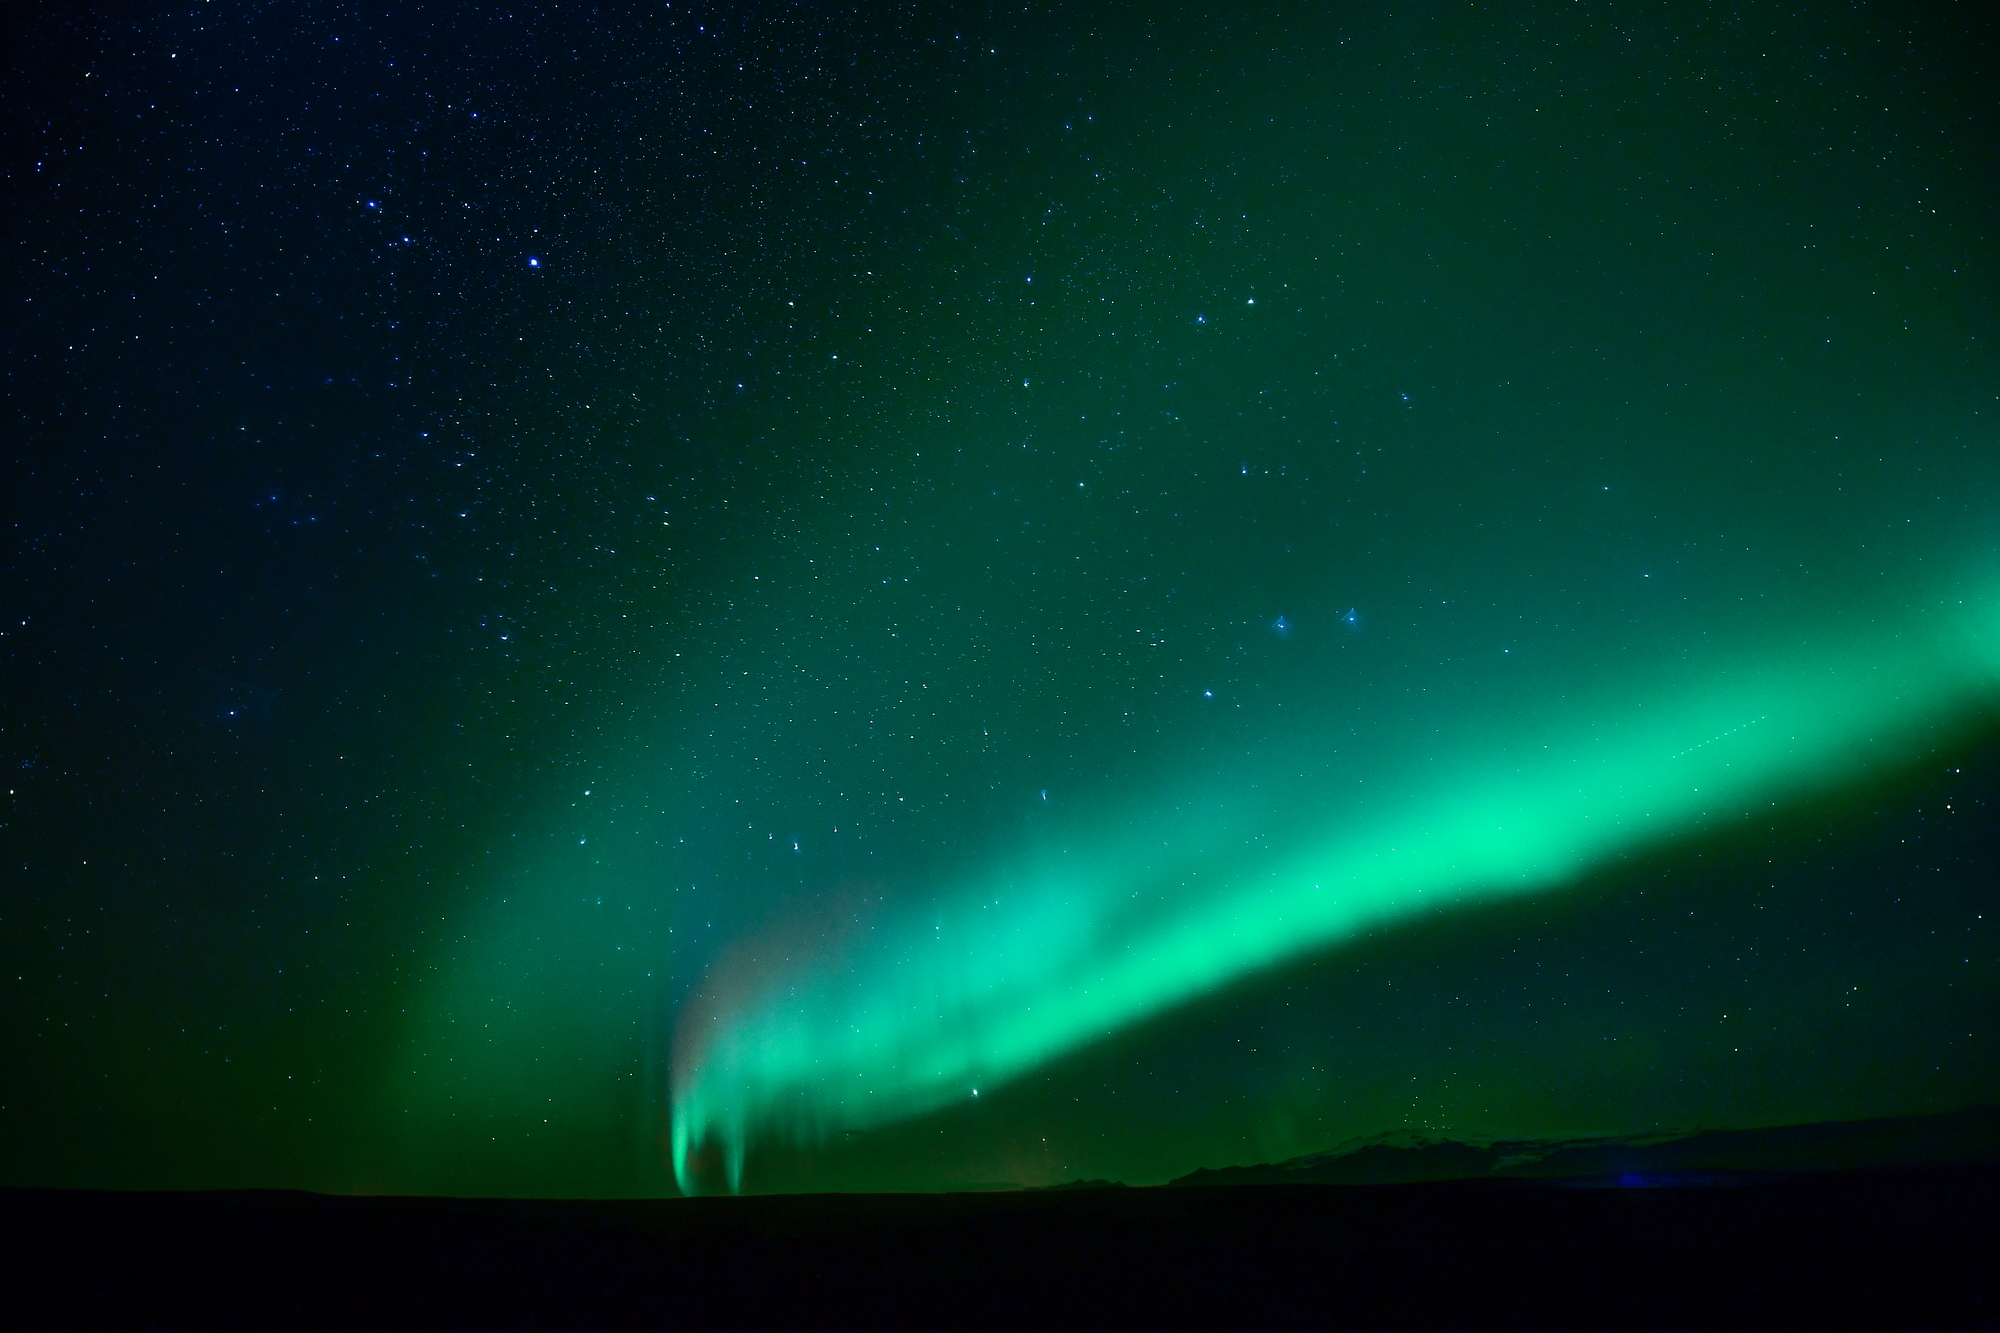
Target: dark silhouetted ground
[{"x": 1909, "y": 1248}]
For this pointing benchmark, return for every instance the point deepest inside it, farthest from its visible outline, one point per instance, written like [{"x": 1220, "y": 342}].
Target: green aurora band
[{"x": 805, "y": 1033}]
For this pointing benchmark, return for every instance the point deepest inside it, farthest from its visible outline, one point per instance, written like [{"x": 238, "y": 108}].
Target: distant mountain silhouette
[{"x": 1688, "y": 1157}]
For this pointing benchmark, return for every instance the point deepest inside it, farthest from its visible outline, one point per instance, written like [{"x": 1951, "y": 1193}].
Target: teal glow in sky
[
  {"x": 1152, "y": 715},
  {"x": 1230, "y": 580},
  {"x": 801, "y": 1041}
]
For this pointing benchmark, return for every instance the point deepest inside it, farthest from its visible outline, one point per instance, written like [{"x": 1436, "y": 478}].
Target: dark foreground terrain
[{"x": 1891, "y": 1249}]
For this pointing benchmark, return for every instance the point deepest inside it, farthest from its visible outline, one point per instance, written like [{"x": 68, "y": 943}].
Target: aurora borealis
[
  {"x": 759, "y": 598},
  {"x": 1014, "y": 972}
]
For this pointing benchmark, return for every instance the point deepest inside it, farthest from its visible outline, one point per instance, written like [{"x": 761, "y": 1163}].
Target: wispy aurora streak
[{"x": 1036, "y": 960}]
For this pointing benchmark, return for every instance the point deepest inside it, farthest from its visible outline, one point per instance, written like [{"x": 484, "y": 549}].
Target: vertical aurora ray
[{"x": 1033, "y": 961}]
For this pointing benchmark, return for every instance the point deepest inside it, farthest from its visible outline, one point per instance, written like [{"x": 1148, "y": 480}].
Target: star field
[{"x": 610, "y": 601}]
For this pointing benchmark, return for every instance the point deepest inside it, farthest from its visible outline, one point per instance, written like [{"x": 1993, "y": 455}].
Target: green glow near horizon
[{"x": 1035, "y": 961}]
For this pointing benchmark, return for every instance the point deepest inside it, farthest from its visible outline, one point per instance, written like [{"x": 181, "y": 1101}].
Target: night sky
[{"x": 773, "y": 597}]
